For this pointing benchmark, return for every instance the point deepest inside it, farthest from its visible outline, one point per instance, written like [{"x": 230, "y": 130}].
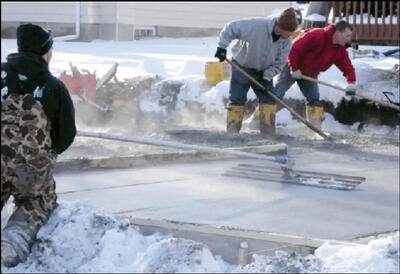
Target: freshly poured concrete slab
[{"x": 198, "y": 193}]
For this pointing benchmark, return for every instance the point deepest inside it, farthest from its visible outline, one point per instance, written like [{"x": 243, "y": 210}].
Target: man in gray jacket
[{"x": 261, "y": 49}]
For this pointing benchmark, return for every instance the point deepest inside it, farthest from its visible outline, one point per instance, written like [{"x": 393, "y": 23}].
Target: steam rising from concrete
[{"x": 149, "y": 105}]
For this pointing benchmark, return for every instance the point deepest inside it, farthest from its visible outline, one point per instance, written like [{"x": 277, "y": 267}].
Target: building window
[{"x": 144, "y": 32}]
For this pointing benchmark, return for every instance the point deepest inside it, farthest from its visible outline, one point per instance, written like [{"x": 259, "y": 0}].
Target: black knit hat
[{"x": 33, "y": 38}]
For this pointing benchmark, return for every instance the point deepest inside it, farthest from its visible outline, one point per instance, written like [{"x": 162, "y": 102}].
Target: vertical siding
[
  {"x": 51, "y": 12},
  {"x": 98, "y": 12},
  {"x": 193, "y": 14},
  {"x": 174, "y": 14}
]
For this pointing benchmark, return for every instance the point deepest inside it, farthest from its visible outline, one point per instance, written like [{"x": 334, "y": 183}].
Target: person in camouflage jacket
[{"x": 37, "y": 124}]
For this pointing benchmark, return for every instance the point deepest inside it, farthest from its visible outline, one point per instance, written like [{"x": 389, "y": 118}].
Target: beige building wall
[
  {"x": 106, "y": 19},
  {"x": 57, "y": 12},
  {"x": 52, "y": 12},
  {"x": 193, "y": 14}
]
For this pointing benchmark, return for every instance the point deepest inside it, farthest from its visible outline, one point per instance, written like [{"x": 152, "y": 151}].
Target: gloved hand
[
  {"x": 351, "y": 89},
  {"x": 264, "y": 81},
  {"x": 297, "y": 74},
  {"x": 221, "y": 54}
]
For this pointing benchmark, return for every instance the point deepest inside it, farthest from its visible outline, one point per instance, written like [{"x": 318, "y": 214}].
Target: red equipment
[{"x": 82, "y": 84}]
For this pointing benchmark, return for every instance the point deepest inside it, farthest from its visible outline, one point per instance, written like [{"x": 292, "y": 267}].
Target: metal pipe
[
  {"x": 77, "y": 25},
  {"x": 116, "y": 22},
  {"x": 151, "y": 141}
]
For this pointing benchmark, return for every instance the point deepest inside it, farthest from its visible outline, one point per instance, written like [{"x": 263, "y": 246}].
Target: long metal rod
[
  {"x": 276, "y": 98},
  {"x": 151, "y": 141},
  {"x": 386, "y": 104}
]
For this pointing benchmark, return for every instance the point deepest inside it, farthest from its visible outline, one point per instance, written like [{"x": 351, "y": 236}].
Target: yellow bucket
[{"x": 217, "y": 71}]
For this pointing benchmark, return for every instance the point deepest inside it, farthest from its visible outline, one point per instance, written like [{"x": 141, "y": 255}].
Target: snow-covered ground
[{"x": 79, "y": 238}]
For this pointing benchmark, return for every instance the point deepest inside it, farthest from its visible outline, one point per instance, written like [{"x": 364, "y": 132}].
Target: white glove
[
  {"x": 351, "y": 89},
  {"x": 297, "y": 74}
]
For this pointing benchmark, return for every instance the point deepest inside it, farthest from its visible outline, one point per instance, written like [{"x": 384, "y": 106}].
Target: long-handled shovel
[
  {"x": 386, "y": 104},
  {"x": 276, "y": 98}
]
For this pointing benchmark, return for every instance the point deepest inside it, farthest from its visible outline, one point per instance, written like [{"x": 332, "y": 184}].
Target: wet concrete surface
[{"x": 197, "y": 192}]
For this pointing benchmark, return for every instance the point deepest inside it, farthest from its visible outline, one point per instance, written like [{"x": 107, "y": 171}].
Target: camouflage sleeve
[
  {"x": 4, "y": 87},
  {"x": 65, "y": 129}
]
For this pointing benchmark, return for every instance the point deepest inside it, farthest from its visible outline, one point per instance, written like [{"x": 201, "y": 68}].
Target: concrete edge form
[
  {"x": 368, "y": 238},
  {"x": 234, "y": 245},
  {"x": 159, "y": 158}
]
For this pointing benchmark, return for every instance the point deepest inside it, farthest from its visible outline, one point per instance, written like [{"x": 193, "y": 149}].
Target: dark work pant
[
  {"x": 309, "y": 89},
  {"x": 240, "y": 85}
]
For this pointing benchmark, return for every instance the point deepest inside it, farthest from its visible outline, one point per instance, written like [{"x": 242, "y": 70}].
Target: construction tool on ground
[
  {"x": 386, "y": 104},
  {"x": 295, "y": 176},
  {"x": 279, "y": 101},
  {"x": 284, "y": 174},
  {"x": 386, "y": 93},
  {"x": 289, "y": 163}
]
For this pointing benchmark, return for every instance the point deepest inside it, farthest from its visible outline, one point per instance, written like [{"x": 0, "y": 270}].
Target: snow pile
[
  {"x": 80, "y": 238},
  {"x": 282, "y": 262},
  {"x": 378, "y": 256},
  {"x": 285, "y": 121}
]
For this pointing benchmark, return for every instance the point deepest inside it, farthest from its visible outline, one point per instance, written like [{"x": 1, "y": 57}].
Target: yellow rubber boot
[
  {"x": 314, "y": 115},
  {"x": 267, "y": 118},
  {"x": 234, "y": 118}
]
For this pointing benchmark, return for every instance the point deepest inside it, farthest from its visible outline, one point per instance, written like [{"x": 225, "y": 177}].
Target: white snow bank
[
  {"x": 378, "y": 256},
  {"x": 80, "y": 238},
  {"x": 329, "y": 124}
]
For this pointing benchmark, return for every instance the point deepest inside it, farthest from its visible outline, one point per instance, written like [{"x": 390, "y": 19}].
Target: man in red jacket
[{"x": 314, "y": 51}]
